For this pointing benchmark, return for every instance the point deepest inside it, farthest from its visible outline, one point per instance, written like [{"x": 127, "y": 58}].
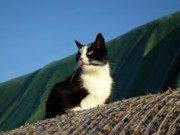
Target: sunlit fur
[
  {"x": 89, "y": 86},
  {"x": 97, "y": 81}
]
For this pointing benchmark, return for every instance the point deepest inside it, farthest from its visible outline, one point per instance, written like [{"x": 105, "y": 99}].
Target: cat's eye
[{"x": 90, "y": 53}]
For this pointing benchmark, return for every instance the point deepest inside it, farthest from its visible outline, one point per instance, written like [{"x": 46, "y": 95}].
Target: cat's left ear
[
  {"x": 78, "y": 45},
  {"x": 100, "y": 43}
]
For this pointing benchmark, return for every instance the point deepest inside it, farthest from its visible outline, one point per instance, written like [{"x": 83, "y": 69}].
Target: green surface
[{"x": 144, "y": 60}]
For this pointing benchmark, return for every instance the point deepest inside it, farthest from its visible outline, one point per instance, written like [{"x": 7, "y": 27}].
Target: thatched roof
[{"x": 149, "y": 114}]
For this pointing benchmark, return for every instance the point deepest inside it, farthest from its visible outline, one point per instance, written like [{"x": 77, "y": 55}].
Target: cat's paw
[{"x": 76, "y": 109}]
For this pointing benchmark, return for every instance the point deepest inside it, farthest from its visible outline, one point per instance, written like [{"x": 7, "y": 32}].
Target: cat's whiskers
[
  {"x": 112, "y": 65},
  {"x": 74, "y": 72}
]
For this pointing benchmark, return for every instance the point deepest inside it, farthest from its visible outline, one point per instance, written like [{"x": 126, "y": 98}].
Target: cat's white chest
[{"x": 98, "y": 84}]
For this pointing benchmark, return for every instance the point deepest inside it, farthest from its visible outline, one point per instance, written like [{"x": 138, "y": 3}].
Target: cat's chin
[
  {"x": 84, "y": 66},
  {"x": 89, "y": 68}
]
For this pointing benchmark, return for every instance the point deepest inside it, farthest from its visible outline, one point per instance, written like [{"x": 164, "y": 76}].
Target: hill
[{"x": 144, "y": 60}]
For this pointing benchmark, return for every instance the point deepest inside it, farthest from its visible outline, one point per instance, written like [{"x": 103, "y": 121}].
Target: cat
[{"x": 89, "y": 86}]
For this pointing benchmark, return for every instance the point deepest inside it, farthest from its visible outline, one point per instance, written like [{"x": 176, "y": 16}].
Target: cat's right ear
[{"x": 78, "y": 45}]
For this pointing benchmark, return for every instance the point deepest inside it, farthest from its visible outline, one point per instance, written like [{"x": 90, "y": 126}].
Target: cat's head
[{"x": 93, "y": 55}]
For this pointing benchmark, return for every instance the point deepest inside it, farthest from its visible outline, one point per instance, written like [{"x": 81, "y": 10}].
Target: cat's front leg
[
  {"x": 90, "y": 101},
  {"x": 78, "y": 108}
]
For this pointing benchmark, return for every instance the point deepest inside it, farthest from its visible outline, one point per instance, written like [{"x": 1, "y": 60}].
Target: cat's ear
[
  {"x": 100, "y": 43},
  {"x": 78, "y": 45}
]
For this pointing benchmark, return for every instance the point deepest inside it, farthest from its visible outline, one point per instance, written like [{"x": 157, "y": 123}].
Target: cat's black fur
[{"x": 69, "y": 93}]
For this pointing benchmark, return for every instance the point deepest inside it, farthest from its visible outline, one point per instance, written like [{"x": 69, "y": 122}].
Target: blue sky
[{"x": 34, "y": 33}]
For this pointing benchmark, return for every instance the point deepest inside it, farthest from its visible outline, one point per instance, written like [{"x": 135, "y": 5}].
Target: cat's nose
[{"x": 81, "y": 59}]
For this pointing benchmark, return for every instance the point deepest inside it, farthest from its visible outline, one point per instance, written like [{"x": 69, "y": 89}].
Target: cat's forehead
[
  {"x": 85, "y": 48},
  {"x": 89, "y": 45}
]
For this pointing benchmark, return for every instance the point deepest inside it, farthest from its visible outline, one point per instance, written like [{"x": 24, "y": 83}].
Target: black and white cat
[{"x": 89, "y": 86}]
